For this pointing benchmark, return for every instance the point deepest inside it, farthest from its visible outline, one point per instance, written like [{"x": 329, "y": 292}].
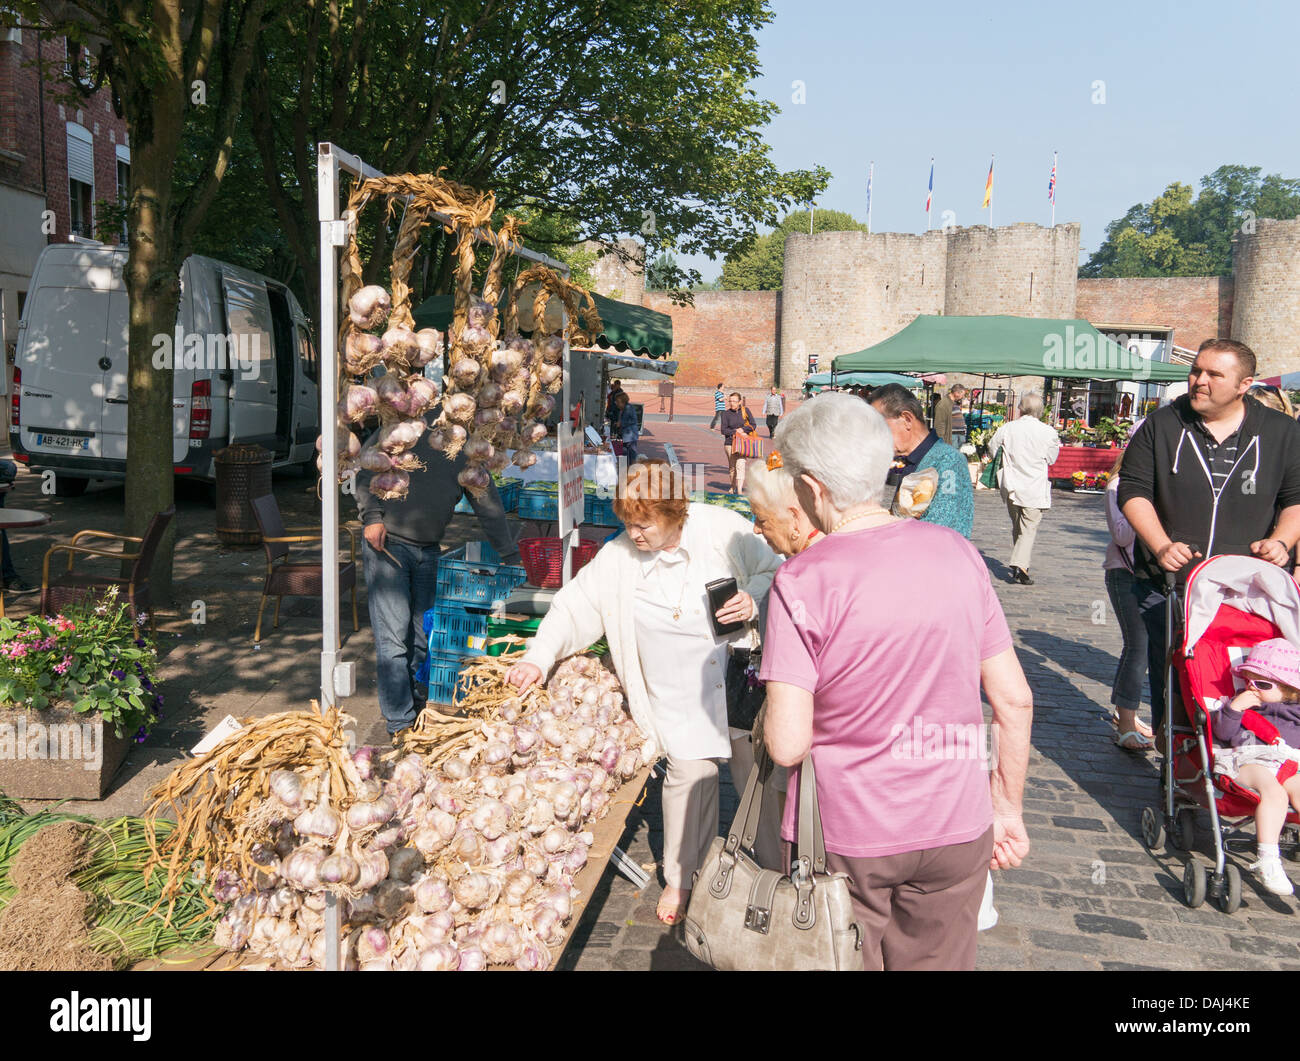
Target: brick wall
[
  {"x": 1196, "y": 307},
  {"x": 726, "y": 335},
  {"x": 20, "y": 131},
  {"x": 1022, "y": 270}
]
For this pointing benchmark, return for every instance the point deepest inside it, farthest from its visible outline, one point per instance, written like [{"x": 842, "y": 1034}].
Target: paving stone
[
  {"x": 1062, "y": 821},
  {"x": 1113, "y": 926}
]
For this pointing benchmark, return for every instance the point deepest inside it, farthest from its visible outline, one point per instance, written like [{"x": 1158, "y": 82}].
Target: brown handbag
[{"x": 744, "y": 917}]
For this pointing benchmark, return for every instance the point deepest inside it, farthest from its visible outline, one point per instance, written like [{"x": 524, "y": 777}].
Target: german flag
[{"x": 988, "y": 187}]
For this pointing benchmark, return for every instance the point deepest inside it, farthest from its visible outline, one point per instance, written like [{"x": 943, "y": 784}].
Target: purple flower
[{"x": 118, "y": 674}]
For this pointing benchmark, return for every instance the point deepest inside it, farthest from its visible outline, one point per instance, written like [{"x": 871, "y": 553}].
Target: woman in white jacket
[{"x": 645, "y": 593}]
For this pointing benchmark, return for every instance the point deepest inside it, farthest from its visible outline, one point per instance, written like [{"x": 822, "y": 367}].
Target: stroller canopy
[{"x": 1247, "y": 583}]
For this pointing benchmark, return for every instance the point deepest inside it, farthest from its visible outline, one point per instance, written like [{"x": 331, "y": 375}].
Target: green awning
[
  {"x": 624, "y": 327},
  {"x": 862, "y": 379},
  {"x": 1008, "y": 346}
]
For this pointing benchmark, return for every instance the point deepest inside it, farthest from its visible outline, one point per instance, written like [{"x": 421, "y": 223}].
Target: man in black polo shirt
[{"x": 1206, "y": 475}]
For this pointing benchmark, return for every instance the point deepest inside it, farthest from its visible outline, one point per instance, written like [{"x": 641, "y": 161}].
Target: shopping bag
[
  {"x": 989, "y": 476},
  {"x": 747, "y": 445}
]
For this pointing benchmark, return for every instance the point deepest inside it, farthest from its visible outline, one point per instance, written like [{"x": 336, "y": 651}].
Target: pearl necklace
[{"x": 860, "y": 515}]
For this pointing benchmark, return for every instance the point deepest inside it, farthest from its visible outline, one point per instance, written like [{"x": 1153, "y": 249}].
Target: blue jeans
[
  {"x": 1151, "y": 605},
  {"x": 8, "y": 473},
  {"x": 1126, "y": 690},
  {"x": 397, "y": 598}
]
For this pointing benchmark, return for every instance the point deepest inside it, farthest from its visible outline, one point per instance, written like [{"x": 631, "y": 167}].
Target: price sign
[{"x": 571, "y": 498}]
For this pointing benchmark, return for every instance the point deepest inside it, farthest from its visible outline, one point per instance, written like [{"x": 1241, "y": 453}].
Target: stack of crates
[{"x": 470, "y": 580}]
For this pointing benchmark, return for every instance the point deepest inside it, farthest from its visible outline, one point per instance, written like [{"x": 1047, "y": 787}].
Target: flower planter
[{"x": 57, "y": 753}]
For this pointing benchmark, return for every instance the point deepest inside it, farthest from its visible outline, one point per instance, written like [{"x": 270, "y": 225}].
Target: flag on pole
[
  {"x": 929, "y": 195},
  {"x": 1051, "y": 184},
  {"x": 988, "y": 187}
]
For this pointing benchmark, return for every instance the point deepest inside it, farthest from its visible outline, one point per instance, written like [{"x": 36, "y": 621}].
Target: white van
[{"x": 245, "y": 368}]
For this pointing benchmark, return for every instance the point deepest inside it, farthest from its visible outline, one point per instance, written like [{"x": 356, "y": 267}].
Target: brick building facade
[{"x": 61, "y": 154}]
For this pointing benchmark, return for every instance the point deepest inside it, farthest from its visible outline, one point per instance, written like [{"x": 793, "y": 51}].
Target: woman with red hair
[{"x": 645, "y": 594}]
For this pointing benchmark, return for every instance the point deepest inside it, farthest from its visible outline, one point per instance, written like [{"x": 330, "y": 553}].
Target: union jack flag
[{"x": 1051, "y": 184}]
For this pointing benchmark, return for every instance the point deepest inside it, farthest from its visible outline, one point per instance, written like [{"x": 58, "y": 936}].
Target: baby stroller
[{"x": 1230, "y": 604}]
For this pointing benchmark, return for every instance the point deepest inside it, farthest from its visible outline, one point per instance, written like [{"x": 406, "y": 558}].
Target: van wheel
[{"x": 69, "y": 485}]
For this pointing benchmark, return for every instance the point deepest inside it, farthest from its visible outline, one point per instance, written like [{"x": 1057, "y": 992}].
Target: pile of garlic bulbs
[
  {"x": 400, "y": 396},
  {"x": 460, "y": 865},
  {"x": 498, "y": 396}
]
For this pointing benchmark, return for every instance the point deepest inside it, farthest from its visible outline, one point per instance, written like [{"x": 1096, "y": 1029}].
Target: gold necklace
[{"x": 860, "y": 515}]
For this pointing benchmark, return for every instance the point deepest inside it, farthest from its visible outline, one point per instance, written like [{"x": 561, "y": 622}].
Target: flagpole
[
  {"x": 871, "y": 172},
  {"x": 991, "y": 191},
  {"x": 1053, "y": 189}
]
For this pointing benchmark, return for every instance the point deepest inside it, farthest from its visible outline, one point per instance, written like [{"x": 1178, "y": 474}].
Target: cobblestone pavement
[{"x": 1089, "y": 896}]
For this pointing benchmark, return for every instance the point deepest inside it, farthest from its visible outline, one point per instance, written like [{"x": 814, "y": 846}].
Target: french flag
[{"x": 929, "y": 195}]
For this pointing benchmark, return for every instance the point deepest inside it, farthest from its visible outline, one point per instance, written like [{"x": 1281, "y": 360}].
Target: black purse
[{"x": 745, "y": 693}]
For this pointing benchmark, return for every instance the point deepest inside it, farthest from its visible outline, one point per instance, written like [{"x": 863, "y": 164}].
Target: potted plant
[
  {"x": 1109, "y": 432},
  {"x": 75, "y": 691}
]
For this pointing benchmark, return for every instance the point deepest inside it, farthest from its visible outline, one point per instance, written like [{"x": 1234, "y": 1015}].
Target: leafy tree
[
  {"x": 177, "y": 67},
  {"x": 600, "y": 118},
  {"x": 761, "y": 266},
  {"x": 1178, "y": 235},
  {"x": 659, "y": 275}
]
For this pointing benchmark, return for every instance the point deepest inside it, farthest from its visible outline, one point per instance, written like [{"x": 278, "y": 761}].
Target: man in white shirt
[{"x": 1029, "y": 447}]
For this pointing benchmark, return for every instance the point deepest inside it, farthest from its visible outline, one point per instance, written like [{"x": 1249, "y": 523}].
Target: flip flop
[
  {"x": 1142, "y": 727},
  {"x": 1133, "y": 741}
]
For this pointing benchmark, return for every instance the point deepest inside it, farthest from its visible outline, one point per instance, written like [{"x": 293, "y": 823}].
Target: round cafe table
[{"x": 16, "y": 519}]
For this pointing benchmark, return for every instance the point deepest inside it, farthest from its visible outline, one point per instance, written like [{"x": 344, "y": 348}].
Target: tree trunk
[{"x": 153, "y": 291}]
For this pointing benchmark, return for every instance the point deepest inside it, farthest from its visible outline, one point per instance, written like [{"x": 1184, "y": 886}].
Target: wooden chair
[
  {"x": 65, "y": 588},
  {"x": 296, "y": 579}
]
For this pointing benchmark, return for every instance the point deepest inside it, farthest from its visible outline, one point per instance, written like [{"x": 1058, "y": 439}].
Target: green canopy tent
[
  {"x": 624, "y": 327},
  {"x": 1008, "y": 346},
  {"x": 860, "y": 379}
]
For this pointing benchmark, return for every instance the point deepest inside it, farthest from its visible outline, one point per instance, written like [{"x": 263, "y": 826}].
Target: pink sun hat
[{"x": 1276, "y": 658}]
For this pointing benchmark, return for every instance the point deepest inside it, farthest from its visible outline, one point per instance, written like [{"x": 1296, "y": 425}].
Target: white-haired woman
[
  {"x": 878, "y": 641},
  {"x": 1029, "y": 447}
]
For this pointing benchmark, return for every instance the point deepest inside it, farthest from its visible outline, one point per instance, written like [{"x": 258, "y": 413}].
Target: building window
[
  {"x": 82, "y": 215},
  {"x": 123, "y": 192},
  {"x": 81, "y": 181}
]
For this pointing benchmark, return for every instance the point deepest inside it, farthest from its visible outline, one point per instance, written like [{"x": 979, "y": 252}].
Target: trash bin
[{"x": 243, "y": 473}]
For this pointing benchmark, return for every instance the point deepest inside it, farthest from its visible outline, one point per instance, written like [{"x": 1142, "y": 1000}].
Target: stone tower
[
  {"x": 1021, "y": 270},
  {"x": 1266, "y": 297}
]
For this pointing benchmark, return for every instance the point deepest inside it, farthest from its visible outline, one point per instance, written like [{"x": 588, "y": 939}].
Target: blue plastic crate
[
  {"x": 443, "y": 672},
  {"x": 540, "y": 504},
  {"x": 600, "y": 511},
  {"x": 476, "y": 581},
  {"x": 455, "y": 630},
  {"x": 509, "y": 490},
  {"x": 464, "y": 507}
]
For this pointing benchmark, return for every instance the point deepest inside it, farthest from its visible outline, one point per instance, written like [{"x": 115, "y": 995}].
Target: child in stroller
[{"x": 1261, "y": 727}]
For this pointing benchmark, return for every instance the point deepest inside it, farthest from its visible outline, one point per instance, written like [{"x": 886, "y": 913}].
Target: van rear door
[
  {"x": 67, "y": 354},
  {"x": 251, "y": 350}
]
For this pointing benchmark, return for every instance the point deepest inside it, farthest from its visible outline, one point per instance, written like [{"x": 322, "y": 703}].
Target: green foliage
[
  {"x": 1177, "y": 234},
  {"x": 659, "y": 273},
  {"x": 632, "y": 118},
  {"x": 761, "y": 266},
  {"x": 92, "y": 657}
]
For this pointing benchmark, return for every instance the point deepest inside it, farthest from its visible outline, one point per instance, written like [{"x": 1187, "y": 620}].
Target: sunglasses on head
[{"x": 1267, "y": 387}]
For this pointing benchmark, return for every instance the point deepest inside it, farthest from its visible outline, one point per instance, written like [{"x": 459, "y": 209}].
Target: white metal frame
[{"x": 336, "y": 677}]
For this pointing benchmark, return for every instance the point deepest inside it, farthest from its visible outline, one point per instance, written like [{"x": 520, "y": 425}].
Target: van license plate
[{"x": 63, "y": 441}]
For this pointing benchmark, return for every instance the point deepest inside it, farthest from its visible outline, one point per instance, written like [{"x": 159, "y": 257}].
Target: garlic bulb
[{"x": 369, "y": 307}]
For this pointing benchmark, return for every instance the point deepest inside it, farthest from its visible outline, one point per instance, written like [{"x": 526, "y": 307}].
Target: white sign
[
  {"x": 594, "y": 438},
  {"x": 571, "y": 496},
  {"x": 224, "y": 729}
]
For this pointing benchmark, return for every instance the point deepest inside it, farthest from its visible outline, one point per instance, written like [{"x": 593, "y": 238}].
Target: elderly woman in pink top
[{"x": 878, "y": 642}]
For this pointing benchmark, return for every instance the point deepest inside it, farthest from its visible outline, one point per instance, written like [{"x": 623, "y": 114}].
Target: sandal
[
  {"x": 671, "y": 913},
  {"x": 1133, "y": 741}
]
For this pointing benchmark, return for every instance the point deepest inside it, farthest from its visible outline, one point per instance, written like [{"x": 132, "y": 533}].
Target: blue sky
[{"x": 1189, "y": 85}]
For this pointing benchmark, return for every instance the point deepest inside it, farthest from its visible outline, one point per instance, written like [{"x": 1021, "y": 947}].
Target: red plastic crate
[{"x": 543, "y": 558}]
